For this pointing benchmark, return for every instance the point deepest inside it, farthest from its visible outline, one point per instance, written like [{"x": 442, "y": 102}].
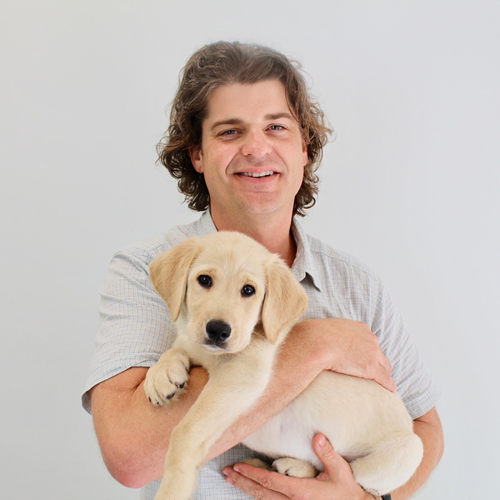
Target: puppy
[{"x": 233, "y": 303}]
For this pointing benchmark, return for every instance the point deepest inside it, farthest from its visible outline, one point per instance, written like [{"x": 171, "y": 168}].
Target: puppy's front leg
[{"x": 231, "y": 390}]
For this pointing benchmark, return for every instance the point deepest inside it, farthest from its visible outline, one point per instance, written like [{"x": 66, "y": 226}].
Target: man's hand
[
  {"x": 336, "y": 482},
  {"x": 349, "y": 347}
]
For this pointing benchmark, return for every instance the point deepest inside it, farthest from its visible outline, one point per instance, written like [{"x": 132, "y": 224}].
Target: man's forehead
[{"x": 234, "y": 101}]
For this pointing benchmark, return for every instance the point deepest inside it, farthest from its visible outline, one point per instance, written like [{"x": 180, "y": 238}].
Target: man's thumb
[{"x": 325, "y": 452}]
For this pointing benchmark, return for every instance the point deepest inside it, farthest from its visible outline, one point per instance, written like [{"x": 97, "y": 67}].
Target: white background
[{"x": 410, "y": 186}]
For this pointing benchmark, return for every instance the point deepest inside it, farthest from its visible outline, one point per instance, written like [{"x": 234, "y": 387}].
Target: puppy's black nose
[{"x": 218, "y": 331}]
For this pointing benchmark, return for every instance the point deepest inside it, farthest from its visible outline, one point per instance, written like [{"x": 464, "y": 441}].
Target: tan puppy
[{"x": 233, "y": 303}]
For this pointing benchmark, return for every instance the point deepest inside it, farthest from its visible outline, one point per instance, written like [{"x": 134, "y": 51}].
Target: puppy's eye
[
  {"x": 205, "y": 281},
  {"x": 247, "y": 291}
]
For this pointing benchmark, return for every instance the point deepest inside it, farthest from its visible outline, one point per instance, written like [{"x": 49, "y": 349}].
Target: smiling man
[
  {"x": 252, "y": 156},
  {"x": 244, "y": 141}
]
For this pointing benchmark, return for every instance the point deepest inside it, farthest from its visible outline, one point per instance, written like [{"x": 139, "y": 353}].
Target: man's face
[{"x": 252, "y": 153}]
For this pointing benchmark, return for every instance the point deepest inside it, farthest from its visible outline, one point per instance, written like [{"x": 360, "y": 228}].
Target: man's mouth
[{"x": 258, "y": 174}]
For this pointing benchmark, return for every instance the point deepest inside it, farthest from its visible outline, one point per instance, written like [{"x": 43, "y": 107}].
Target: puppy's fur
[{"x": 233, "y": 303}]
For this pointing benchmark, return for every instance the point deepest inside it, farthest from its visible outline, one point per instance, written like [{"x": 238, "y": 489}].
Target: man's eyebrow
[
  {"x": 278, "y": 116},
  {"x": 228, "y": 121},
  {"x": 238, "y": 121}
]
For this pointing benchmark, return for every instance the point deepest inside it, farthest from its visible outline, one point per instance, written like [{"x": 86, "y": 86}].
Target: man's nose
[{"x": 256, "y": 144}]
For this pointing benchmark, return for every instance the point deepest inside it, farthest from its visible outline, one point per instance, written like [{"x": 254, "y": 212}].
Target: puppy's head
[{"x": 220, "y": 286}]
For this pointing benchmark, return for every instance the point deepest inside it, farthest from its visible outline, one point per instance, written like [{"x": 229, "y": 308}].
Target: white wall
[{"x": 409, "y": 186}]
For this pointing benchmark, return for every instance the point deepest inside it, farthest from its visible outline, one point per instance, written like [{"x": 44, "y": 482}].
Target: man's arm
[{"x": 134, "y": 435}]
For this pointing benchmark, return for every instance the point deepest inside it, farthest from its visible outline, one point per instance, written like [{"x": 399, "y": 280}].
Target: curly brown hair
[{"x": 222, "y": 63}]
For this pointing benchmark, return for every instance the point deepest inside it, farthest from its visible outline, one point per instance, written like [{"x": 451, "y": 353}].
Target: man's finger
[
  {"x": 386, "y": 381},
  {"x": 330, "y": 459},
  {"x": 337, "y": 470},
  {"x": 260, "y": 483}
]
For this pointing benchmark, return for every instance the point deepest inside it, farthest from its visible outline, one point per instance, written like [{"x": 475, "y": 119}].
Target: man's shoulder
[
  {"x": 147, "y": 249},
  {"x": 336, "y": 259}
]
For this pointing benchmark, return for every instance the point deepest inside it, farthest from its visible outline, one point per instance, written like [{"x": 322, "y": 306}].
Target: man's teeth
[{"x": 258, "y": 174}]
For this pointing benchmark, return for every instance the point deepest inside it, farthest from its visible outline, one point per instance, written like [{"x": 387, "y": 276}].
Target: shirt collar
[
  {"x": 303, "y": 265},
  {"x": 205, "y": 224}
]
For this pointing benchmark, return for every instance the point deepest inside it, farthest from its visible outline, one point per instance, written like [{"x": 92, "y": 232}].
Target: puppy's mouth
[{"x": 214, "y": 346}]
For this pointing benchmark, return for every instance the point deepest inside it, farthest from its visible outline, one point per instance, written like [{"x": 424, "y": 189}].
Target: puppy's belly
[
  {"x": 286, "y": 435},
  {"x": 355, "y": 414}
]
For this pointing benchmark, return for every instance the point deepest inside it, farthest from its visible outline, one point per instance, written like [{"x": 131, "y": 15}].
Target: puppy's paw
[
  {"x": 167, "y": 378},
  {"x": 294, "y": 467},
  {"x": 257, "y": 462}
]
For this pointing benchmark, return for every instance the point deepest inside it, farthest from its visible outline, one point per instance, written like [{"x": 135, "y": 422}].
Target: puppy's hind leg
[
  {"x": 257, "y": 462},
  {"x": 287, "y": 466},
  {"x": 295, "y": 467},
  {"x": 389, "y": 464}
]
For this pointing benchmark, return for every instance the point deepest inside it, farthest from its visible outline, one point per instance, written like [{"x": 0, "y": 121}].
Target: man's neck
[{"x": 272, "y": 232}]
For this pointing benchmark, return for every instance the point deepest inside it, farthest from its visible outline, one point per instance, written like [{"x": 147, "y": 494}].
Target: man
[{"x": 244, "y": 142}]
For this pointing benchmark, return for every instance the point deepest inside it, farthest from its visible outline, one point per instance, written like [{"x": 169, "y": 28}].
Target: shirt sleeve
[
  {"x": 414, "y": 382},
  {"x": 135, "y": 327}
]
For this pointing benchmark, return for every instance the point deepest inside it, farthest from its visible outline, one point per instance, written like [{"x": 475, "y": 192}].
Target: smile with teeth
[{"x": 258, "y": 174}]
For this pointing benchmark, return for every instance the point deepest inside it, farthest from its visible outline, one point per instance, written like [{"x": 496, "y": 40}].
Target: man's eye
[
  {"x": 228, "y": 132},
  {"x": 277, "y": 127},
  {"x": 205, "y": 281}
]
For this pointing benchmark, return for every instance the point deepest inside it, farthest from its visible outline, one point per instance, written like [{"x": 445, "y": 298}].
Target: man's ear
[
  {"x": 196, "y": 158},
  {"x": 305, "y": 153}
]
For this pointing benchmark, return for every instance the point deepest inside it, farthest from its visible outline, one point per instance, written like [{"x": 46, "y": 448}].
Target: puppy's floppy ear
[
  {"x": 284, "y": 302},
  {"x": 169, "y": 273}
]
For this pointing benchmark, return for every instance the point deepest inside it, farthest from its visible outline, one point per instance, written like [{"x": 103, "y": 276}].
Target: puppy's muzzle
[{"x": 217, "y": 332}]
